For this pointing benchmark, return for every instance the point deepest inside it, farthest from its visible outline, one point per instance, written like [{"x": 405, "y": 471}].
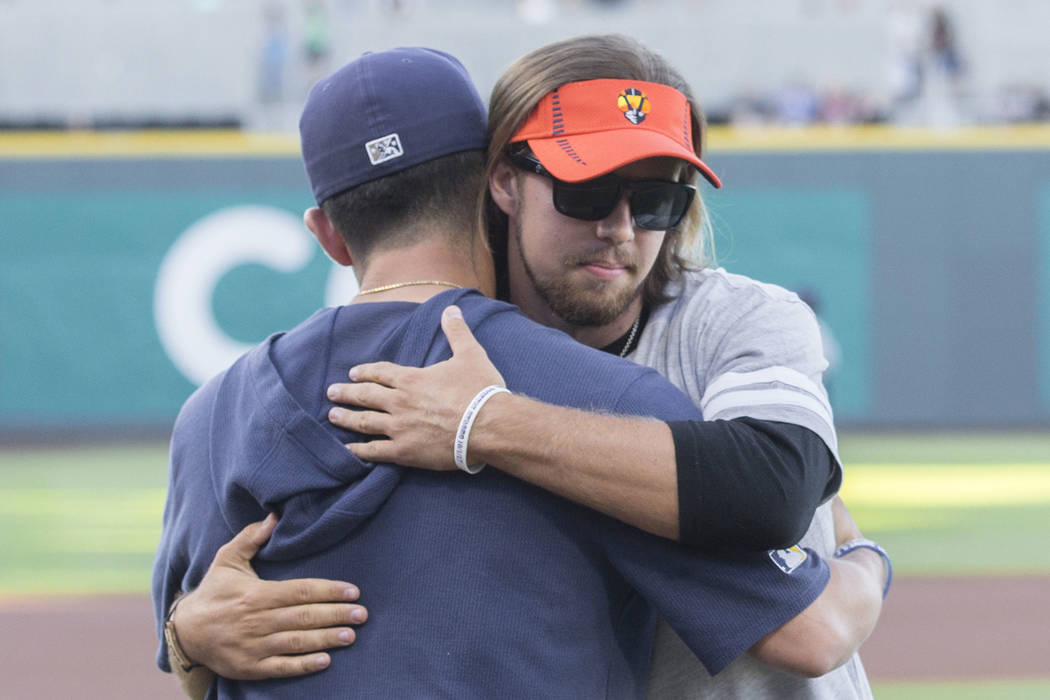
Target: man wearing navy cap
[{"x": 479, "y": 585}]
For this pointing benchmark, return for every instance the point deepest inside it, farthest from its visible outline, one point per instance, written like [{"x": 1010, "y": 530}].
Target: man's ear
[
  {"x": 327, "y": 235},
  {"x": 503, "y": 186}
]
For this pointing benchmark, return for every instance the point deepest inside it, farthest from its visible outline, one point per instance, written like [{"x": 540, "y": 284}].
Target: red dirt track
[
  {"x": 962, "y": 628},
  {"x": 931, "y": 629}
]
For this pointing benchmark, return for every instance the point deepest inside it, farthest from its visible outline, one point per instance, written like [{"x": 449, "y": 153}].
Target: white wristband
[{"x": 459, "y": 448}]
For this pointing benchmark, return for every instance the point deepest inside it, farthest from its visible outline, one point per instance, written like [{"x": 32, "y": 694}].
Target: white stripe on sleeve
[
  {"x": 783, "y": 375},
  {"x": 741, "y": 400}
]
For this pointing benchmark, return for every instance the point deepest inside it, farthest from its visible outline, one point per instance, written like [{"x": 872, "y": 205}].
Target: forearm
[
  {"x": 829, "y": 631},
  {"x": 744, "y": 483},
  {"x": 623, "y": 467}
]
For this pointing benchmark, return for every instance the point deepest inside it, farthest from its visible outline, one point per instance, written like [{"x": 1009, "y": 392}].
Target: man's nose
[{"x": 618, "y": 226}]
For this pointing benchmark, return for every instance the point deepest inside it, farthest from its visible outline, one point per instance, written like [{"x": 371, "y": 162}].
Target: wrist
[
  {"x": 487, "y": 439},
  {"x": 472, "y": 463},
  {"x": 177, "y": 655},
  {"x": 859, "y": 544}
]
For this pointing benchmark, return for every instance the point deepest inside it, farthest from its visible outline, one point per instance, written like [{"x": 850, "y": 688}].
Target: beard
[{"x": 582, "y": 303}]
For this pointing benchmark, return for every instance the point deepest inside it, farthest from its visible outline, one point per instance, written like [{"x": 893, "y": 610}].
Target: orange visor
[{"x": 586, "y": 129}]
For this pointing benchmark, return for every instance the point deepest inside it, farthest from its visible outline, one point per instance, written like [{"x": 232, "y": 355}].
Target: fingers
[
  {"x": 239, "y": 551},
  {"x": 289, "y": 652},
  {"x": 463, "y": 343},
  {"x": 305, "y": 591},
  {"x": 261, "y": 533},
  {"x": 460, "y": 339},
  {"x": 315, "y": 617},
  {"x": 364, "y": 395},
  {"x": 365, "y": 422},
  {"x": 375, "y": 451},
  {"x": 385, "y": 373},
  {"x": 290, "y": 666},
  {"x": 298, "y": 642}
]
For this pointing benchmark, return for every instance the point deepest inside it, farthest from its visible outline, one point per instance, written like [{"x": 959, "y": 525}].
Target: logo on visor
[{"x": 634, "y": 105}]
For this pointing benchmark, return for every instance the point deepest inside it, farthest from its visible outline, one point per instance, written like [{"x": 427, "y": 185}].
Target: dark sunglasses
[{"x": 656, "y": 205}]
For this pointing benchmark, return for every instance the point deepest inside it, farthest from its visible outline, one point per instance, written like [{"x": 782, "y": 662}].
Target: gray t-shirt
[{"x": 739, "y": 347}]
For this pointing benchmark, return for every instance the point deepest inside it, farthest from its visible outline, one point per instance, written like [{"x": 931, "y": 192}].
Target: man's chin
[{"x": 591, "y": 308}]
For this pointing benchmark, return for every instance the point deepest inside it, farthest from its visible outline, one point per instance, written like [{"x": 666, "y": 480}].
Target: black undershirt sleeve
[{"x": 749, "y": 484}]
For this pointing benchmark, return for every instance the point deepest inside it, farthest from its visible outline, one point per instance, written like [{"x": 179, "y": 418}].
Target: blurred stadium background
[{"x": 888, "y": 159}]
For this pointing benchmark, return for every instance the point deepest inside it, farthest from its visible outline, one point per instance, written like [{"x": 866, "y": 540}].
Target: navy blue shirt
[{"x": 477, "y": 586}]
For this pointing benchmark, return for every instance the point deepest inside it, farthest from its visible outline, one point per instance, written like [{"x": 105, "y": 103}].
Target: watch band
[{"x": 171, "y": 638}]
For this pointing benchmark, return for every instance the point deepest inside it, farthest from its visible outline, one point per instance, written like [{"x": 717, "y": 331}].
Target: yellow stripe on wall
[
  {"x": 219, "y": 143},
  {"x": 139, "y": 144},
  {"x": 878, "y": 137}
]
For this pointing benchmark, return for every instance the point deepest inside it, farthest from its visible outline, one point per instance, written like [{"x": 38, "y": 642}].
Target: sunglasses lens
[
  {"x": 589, "y": 201},
  {"x": 658, "y": 206}
]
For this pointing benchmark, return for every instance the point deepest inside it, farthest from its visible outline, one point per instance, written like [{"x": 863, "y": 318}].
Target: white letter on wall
[
  {"x": 205, "y": 252},
  {"x": 202, "y": 255}
]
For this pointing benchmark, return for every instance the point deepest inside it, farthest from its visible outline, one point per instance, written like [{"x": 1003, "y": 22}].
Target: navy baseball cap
[{"x": 385, "y": 112}]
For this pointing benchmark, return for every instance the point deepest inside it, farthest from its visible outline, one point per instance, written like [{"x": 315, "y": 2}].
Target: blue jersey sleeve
[
  {"x": 650, "y": 394},
  {"x": 719, "y": 605}
]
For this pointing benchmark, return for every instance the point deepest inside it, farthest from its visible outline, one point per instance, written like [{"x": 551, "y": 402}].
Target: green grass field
[
  {"x": 953, "y": 504},
  {"x": 968, "y": 690},
  {"x": 80, "y": 521},
  {"x": 87, "y": 520}
]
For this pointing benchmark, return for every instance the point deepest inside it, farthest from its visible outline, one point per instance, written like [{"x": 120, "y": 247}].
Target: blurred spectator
[
  {"x": 945, "y": 52},
  {"x": 926, "y": 67},
  {"x": 943, "y": 92},
  {"x": 748, "y": 109},
  {"x": 796, "y": 104},
  {"x": 317, "y": 41},
  {"x": 840, "y": 106},
  {"x": 1020, "y": 103},
  {"x": 929, "y": 74},
  {"x": 904, "y": 30},
  {"x": 273, "y": 65}
]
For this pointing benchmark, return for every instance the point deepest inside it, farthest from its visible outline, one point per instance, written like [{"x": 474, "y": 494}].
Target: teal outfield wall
[
  {"x": 932, "y": 267},
  {"x": 1044, "y": 297},
  {"x": 125, "y": 281}
]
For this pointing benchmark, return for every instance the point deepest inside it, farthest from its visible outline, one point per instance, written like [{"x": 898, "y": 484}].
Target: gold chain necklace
[
  {"x": 630, "y": 338},
  {"x": 399, "y": 285}
]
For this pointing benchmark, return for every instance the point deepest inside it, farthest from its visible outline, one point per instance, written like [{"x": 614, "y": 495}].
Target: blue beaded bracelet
[{"x": 865, "y": 543}]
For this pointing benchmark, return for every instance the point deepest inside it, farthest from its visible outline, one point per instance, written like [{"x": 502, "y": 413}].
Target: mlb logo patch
[
  {"x": 384, "y": 148},
  {"x": 788, "y": 559}
]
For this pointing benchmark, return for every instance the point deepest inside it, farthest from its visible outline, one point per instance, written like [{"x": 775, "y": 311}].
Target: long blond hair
[{"x": 593, "y": 57}]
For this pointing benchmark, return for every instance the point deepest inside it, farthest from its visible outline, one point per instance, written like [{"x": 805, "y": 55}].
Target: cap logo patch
[
  {"x": 384, "y": 148},
  {"x": 788, "y": 559},
  {"x": 634, "y": 104}
]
